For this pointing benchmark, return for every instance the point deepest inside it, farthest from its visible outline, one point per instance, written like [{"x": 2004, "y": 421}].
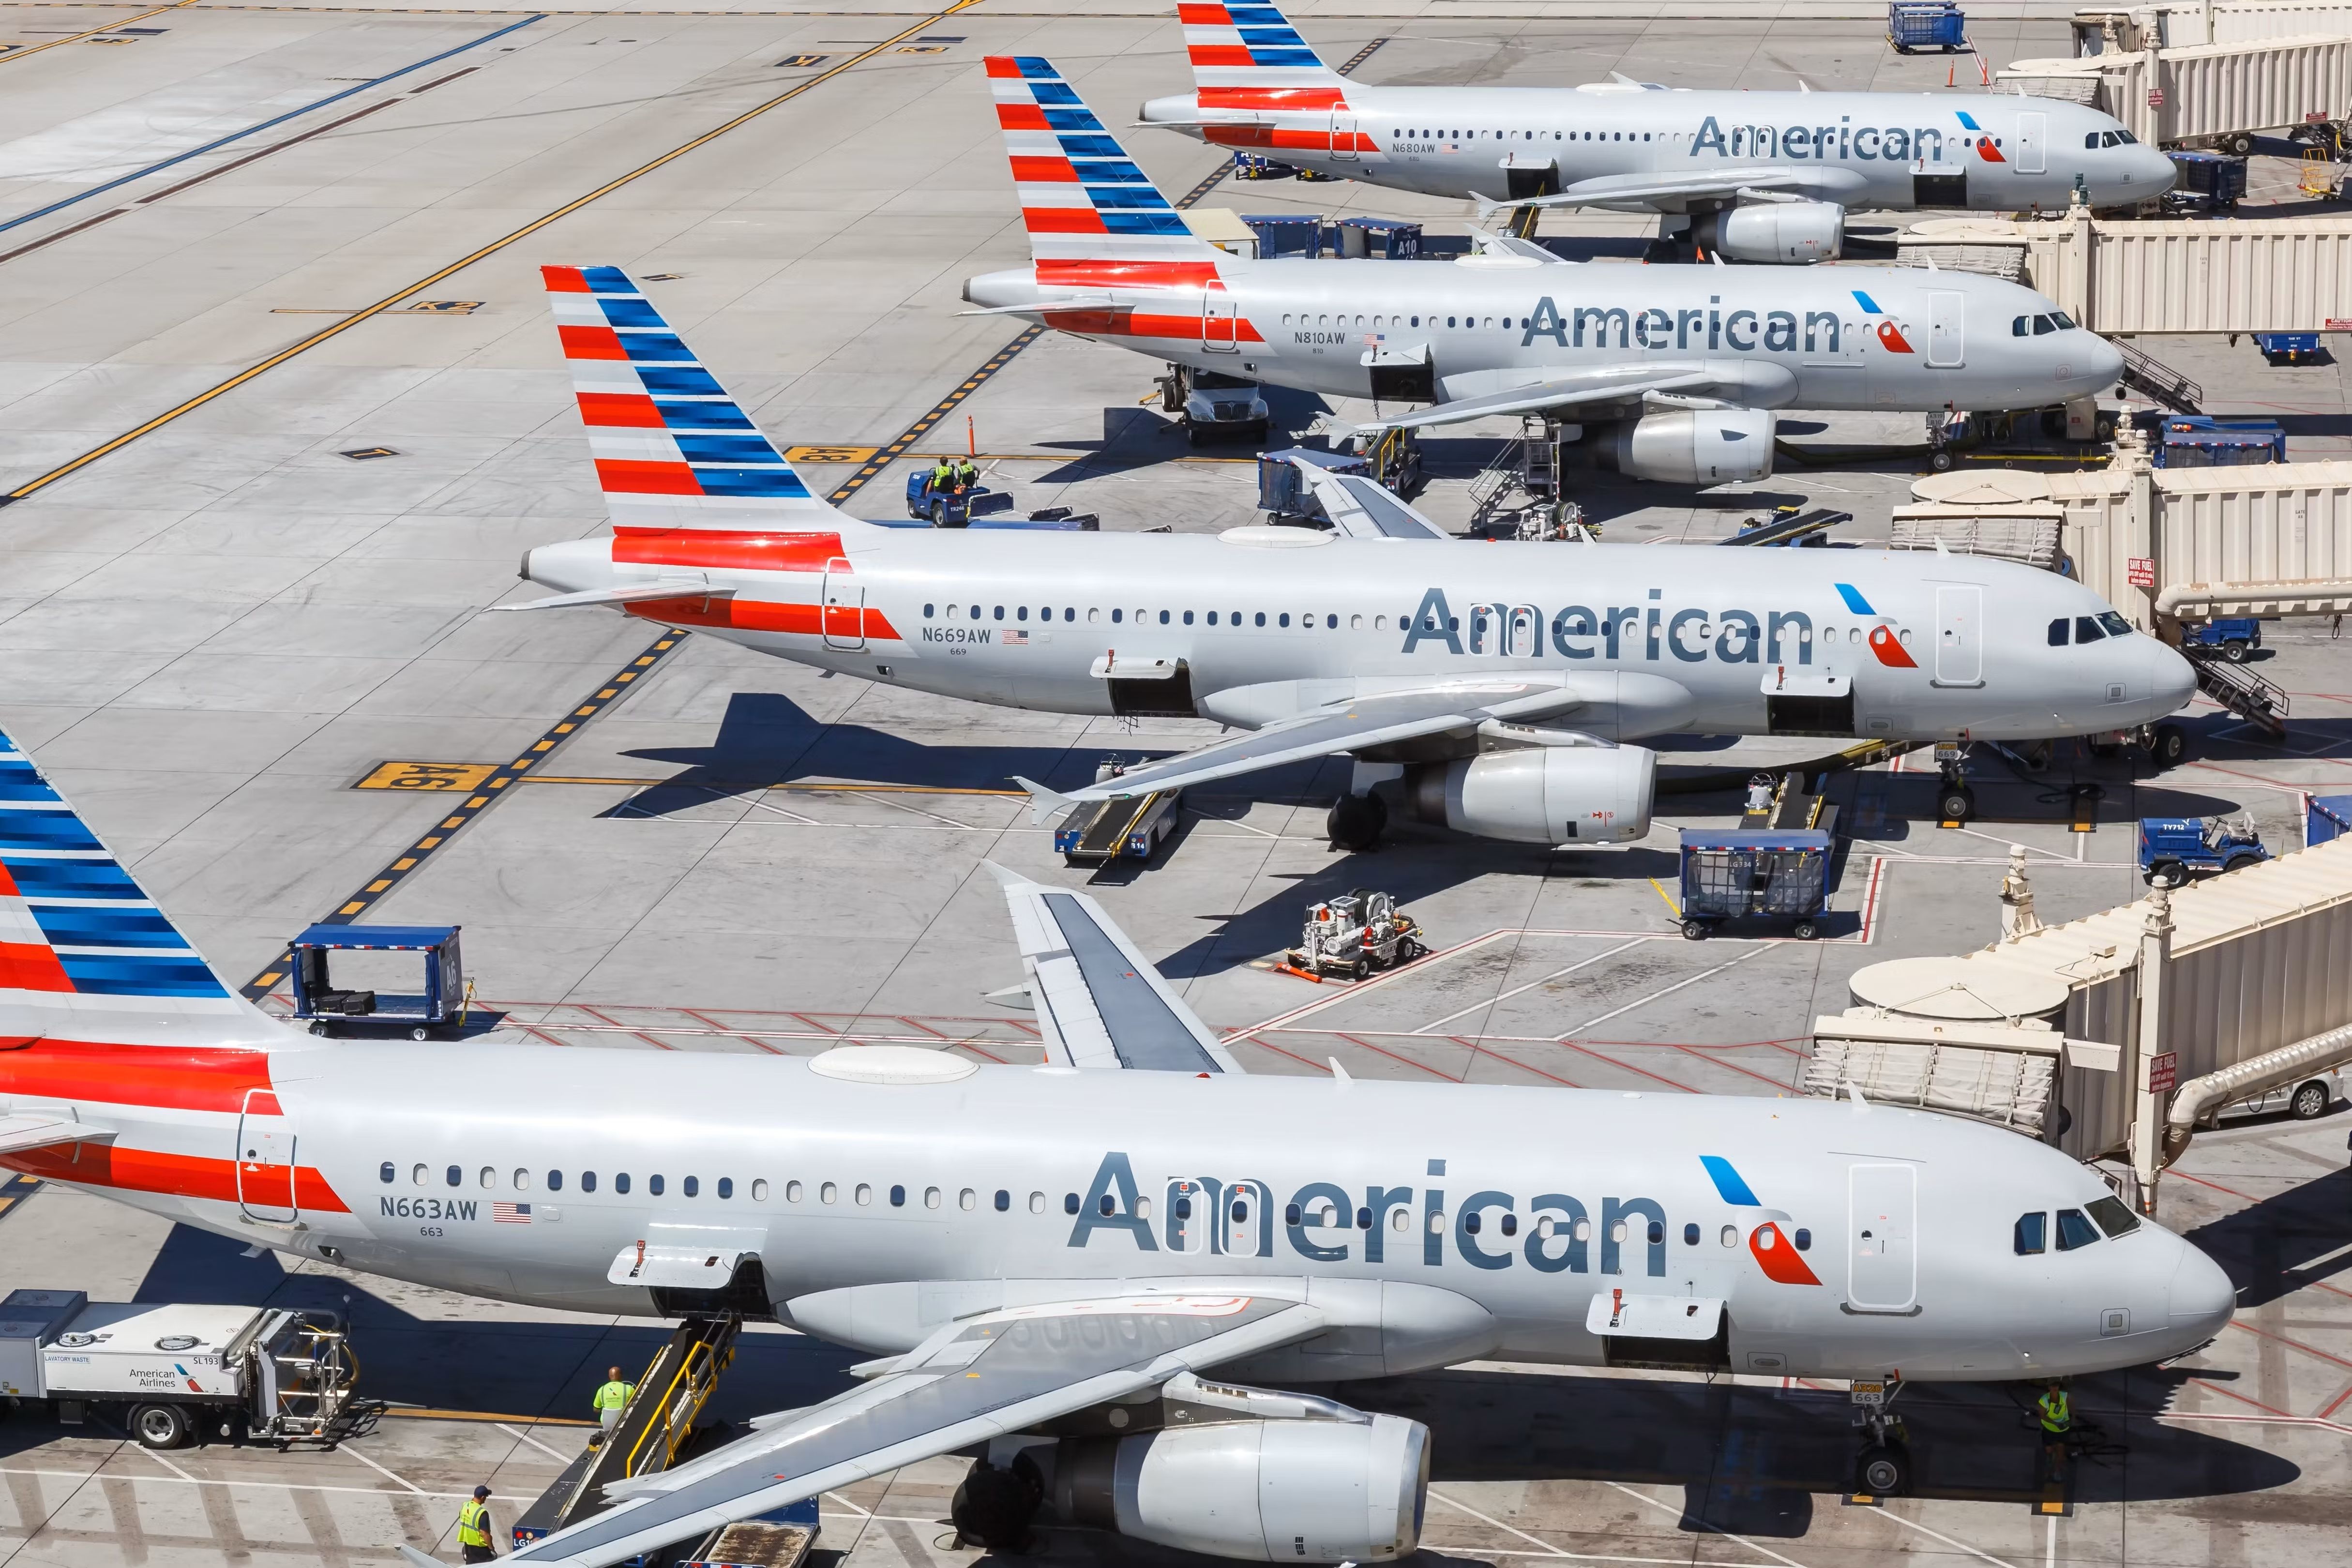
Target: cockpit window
[
  {"x": 2088, "y": 629},
  {"x": 2043, "y": 326},
  {"x": 2116, "y": 626},
  {"x": 2126, "y": 138},
  {"x": 2115, "y": 1216},
  {"x": 2032, "y": 1234},
  {"x": 2065, "y": 322},
  {"x": 2073, "y": 1230},
  {"x": 2058, "y": 632}
]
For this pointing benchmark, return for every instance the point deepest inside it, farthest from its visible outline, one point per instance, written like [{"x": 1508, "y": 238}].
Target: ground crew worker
[
  {"x": 474, "y": 1528},
  {"x": 967, "y": 473},
  {"x": 611, "y": 1399},
  {"x": 943, "y": 477},
  {"x": 2057, "y": 1421}
]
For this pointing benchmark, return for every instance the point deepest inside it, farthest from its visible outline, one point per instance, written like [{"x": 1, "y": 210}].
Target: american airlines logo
[
  {"x": 1843, "y": 140},
  {"x": 1741, "y": 330},
  {"x": 1653, "y": 631}
]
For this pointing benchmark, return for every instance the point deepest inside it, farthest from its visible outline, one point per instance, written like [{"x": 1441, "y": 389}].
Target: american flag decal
[
  {"x": 1015, "y": 639},
  {"x": 510, "y": 1214}
]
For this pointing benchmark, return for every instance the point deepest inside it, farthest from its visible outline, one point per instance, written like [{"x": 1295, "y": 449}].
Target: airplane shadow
[{"x": 2285, "y": 1242}]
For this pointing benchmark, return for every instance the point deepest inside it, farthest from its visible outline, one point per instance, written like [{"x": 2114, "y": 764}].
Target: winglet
[{"x": 1043, "y": 804}]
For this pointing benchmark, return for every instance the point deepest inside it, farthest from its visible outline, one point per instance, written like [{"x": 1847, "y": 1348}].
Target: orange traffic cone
[{"x": 1948, "y": 68}]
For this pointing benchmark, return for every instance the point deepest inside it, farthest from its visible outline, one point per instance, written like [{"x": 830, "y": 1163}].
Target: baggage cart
[
  {"x": 1387, "y": 238},
  {"x": 1730, "y": 875},
  {"x": 321, "y": 1004},
  {"x": 1925, "y": 25},
  {"x": 1283, "y": 493},
  {"x": 172, "y": 1375},
  {"x": 2288, "y": 348},
  {"x": 1285, "y": 234},
  {"x": 2199, "y": 441}
]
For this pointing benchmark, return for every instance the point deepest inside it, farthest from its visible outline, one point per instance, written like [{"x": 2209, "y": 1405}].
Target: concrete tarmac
[{"x": 244, "y": 640}]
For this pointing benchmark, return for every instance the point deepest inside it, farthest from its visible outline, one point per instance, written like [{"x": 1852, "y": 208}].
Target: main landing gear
[
  {"x": 1357, "y": 821},
  {"x": 1883, "y": 1468}
]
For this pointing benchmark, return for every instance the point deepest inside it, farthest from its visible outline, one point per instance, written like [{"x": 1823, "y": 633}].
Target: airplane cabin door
[
  {"x": 1947, "y": 328},
  {"x": 1192, "y": 1213},
  {"x": 1959, "y": 641},
  {"x": 1220, "y": 322},
  {"x": 844, "y": 611},
  {"x": 1247, "y": 1227},
  {"x": 1343, "y": 135},
  {"x": 2032, "y": 143},
  {"x": 264, "y": 1159},
  {"x": 1882, "y": 1252}
]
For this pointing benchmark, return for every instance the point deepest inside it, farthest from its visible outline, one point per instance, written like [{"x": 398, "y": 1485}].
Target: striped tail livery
[{"x": 1250, "y": 57}]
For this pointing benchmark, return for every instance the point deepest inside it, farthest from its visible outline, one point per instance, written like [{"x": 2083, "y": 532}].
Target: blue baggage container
[
  {"x": 1387, "y": 238},
  {"x": 2288, "y": 348},
  {"x": 1282, "y": 489},
  {"x": 1925, "y": 25},
  {"x": 1286, "y": 234},
  {"x": 2326, "y": 818},
  {"x": 1779, "y": 873},
  {"x": 2199, "y": 441}
]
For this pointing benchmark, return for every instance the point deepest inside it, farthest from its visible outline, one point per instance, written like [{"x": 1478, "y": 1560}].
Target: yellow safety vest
[
  {"x": 473, "y": 1524},
  {"x": 614, "y": 1395},
  {"x": 2056, "y": 1414}
]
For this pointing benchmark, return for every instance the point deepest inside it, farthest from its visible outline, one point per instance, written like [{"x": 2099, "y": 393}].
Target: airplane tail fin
[
  {"x": 673, "y": 449},
  {"x": 1082, "y": 198},
  {"x": 1250, "y": 57},
  {"x": 85, "y": 955}
]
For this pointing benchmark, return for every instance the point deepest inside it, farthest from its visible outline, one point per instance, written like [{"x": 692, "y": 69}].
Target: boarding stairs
[
  {"x": 1518, "y": 495},
  {"x": 654, "y": 1430},
  {"x": 2259, "y": 702},
  {"x": 2158, "y": 382}
]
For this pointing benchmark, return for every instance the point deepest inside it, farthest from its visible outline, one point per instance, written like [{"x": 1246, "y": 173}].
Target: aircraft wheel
[
  {"x": 1956, "y": 803},
  {"x": 1883, "y": 1469},
  {"x": 1357, "y": 821},
  {"x": 162, "y": 1426},
  {"x": 2168, "y": 746},
  {"x": 992, "y": 1508}
]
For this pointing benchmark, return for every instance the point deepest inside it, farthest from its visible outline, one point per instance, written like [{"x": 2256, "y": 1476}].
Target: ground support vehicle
[
  {"x": 2288, "y": 348},
  {"x": 321, "y": 1004},
  {"x": 2209, "y": 183},
  {"x": 1778, "y": 873},
  {"x": 2232, "y": 636},
  {"x": 1215, "y": 406},
  {"x": 1355, "y": 935},
  {"x": 172, "y": 1375},
  {"x": 2199, "y": 441},
  {"x": 1125, "y": 827},
  {"x": 2173, "y": 849}
]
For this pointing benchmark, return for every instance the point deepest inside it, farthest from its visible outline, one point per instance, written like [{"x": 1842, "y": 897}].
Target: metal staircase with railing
[
  {"x": 2158, "y": 382},
  {"x": 2259, "y": 702}
]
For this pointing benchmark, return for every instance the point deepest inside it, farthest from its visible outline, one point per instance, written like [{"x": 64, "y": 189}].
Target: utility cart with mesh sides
[
  {"x": 1778, "y": 874},
  {"x": 321, "y": 1004}
]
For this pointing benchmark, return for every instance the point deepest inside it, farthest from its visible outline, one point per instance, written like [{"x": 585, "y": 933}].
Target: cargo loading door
[
  {"x": 2032, "y": 143},
  {"x": 1946, "y": 328},
  {"x": 1343, "y": 134},
  {"x": 1882, "y": 1252},
  {"x": 1959, "y": 642},
  {"x": 1934, "y": 186},
  {"x": 845, "y": 606},
  {"x": 1220, "y": 322},
  {"x": 264, "y": 1159}
]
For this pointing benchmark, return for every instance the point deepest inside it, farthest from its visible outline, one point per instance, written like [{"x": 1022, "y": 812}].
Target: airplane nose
[
  {"x": 2201, "y": 1298},
  {"x": 2173, "y": 681},
  {"x": 2152, "y": 174},
  {"x": 2104, "y": 363}
]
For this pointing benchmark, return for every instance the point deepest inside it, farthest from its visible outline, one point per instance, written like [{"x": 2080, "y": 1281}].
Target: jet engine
[
  {"x": 1694, "y": 447},
  {"x": 1260, "y": 1491},
  {"x": 1541, "y": 794},
  {"x": 1783, "y": 232}
]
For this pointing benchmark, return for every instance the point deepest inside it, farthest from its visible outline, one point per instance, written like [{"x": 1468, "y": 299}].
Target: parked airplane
[
  {"x": 1686, "y": 361},
  {"x": 1048, "y": 1257},
  {"x": 1752, "y": 176},
  {"x": 1450, "y": 666}
]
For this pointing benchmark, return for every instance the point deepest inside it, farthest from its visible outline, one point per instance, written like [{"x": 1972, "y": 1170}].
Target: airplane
[
  {"x": 1678, "y": 368},
  {"x": 1082, "y": 1272},
  {"x": 1752, "y": 176},
  {"x": 1501, "y": 686}
]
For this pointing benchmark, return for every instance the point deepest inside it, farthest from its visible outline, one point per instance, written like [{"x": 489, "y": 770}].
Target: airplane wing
[
  {"x": 36, "y": 1129},
  {"x": 977, "y": 1378},
  {"x": 1099, "y": 1001},
  {"x": 1616, "y": 385},
  {"x": 1644, "y": 191},
  {"x": 1362, "y": 509},
  {"x": 1365, "y": 721}
]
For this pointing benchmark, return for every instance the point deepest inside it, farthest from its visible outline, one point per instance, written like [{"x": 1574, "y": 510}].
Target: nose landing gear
[{"x": 1883, "y": 1468}]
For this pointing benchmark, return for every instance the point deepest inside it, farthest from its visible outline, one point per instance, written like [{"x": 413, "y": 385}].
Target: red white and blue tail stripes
[
  {"x": 77, "y": 933},
  {"x": 1250, "y": 57},
  {"x": 672, "y": 448},
  {"x": 1082, "y": 197}
]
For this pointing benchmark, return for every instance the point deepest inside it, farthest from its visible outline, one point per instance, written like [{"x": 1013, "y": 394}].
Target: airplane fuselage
[
  {"x": 1892, "y": 151},
  {"x": 1845, "y": 1242},
  {"x": 1836, "y": 338},
  {"x": 1269, "y": 622}
]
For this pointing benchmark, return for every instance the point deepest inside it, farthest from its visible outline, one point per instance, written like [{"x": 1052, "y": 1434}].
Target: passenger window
[
  {"x": 927, "y": 612},
  {"x": 1070, "y": 612},
  {"x": 2114, "y": 1217},
  {"x": 1188, "y": 618},
  {"x": 865, "y": 1193},
  {"x": 1212, "y": 617},
  {"x": 1331, "y": 622},
  {"x": 587, "y": 1180},
  {"x": 1803, "y": 1238},
  {"x": 2058, "y": 632},
  {"x": 521, "y": 1179},
  {"x": 1116, "y": 615},
  {"x": 1036, "y": 1203},
  {"x": 1690, "y": 1236},
  {"x": 2073, "y": 1230},
  {"x": 1731, "y": 1235},
  {"x": 897, "y": 1197},
  {"x": 653, "y": 1185},
  {"x": 490, "y": 1177},
  {"x": 1003, "y": 1200},
  {"x": 387, "y": 1171},
  {"x": 2031, "y": 1234},
  {"x": 758, "y": 1191},
  {"x": 1000, "y": 612},
  {"x": 2116, "y": 626},
  {"x": 1282, "y": 619},
  {"x": 454, "y": 1176},
  {"x": 726, "y": 1187},
  {"x": 2087, "y": 629},
  {"x": 621, "y": 1182},
  {"x": 1021, "y": 612},
  {"x": 416, "y": 1177},
  {"x": 554, "y": 1181},
  {"x": 1261, "y": 617},
  {"x": 828, "y": 1194},
  {"x": 1163, "y": 617},
  {"x": 691, "y": 1186}
]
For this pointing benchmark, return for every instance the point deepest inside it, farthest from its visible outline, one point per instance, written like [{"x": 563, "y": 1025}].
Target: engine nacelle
[
  {"x": 1260, "y": 1491},
  {"x": 1543, "y": 795},
  {"x": 1694, "y": 446},
  {"x": 1787, "y": 232}
]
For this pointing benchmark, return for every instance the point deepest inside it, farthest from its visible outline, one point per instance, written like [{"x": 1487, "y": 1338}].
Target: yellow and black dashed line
[
  {"x": 15, "y": 1190},
  {"x": 1360, "y": 56},
  {"x": 492, "y": 790}
]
